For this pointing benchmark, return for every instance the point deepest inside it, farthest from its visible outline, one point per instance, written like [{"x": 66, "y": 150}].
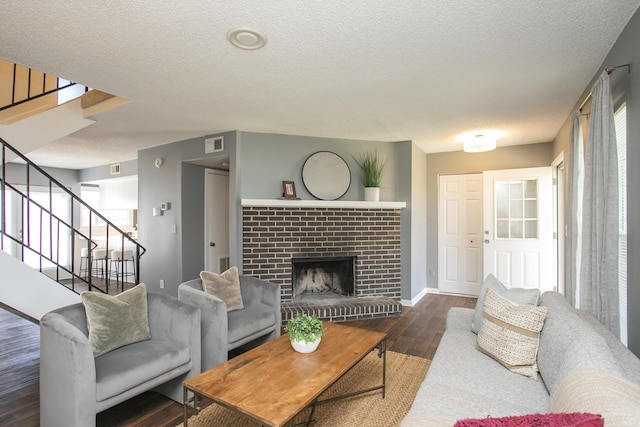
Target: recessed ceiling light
[{"x": 246, "y": 38}]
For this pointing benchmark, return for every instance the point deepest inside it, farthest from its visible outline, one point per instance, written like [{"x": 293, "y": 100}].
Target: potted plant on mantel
[
  {"x": 371, "y": 166},
  {"x": 305, "y": 332}
]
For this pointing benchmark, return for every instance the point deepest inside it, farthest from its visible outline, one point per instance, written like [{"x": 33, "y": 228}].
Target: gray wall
[
  {"x": 268, "y": 159},
  {"x": 459, "y": 162},
  {"x": 17, "y": 174},
  {"x": 412, "y": 187},
  {"x": 98, "y": 173},
  {"x": 625, "y": 88},
  {"x": 182, "y": 185},
  {"x": 193, "y": 237}
]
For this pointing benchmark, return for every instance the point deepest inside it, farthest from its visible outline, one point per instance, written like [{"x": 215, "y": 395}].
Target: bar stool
[
  {"x": 120, "y": 260},
  {"x": 84, "y": 260},
  {"x": 97, "y": 263}
]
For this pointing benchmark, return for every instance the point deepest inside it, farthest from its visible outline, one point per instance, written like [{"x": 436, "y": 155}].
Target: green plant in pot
[
  {"x": 304, "y": 332},
  {"x": 371, "y": 166}
]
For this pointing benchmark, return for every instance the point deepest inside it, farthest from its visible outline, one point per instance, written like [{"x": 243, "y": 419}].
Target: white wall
[{"x": 29, "y": 291}]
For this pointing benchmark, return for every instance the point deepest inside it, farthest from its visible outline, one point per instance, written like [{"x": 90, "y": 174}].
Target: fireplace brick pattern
[{"x": 273, "y": 235}]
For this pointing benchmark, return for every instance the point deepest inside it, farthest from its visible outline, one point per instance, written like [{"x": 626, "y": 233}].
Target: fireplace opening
[{"x": 322, "y": 278}]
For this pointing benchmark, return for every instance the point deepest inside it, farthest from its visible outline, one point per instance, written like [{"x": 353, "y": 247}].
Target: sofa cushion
[
  {"x": 510, "y": 333},
  {"x": 225, "y": 286},
  {"x": 568, "y": 343},
  {"x": 540, "y": 420},
  {"x": 628, "y": 361},
  {"x": 518, "y": 295},
  {"x": 616, "y": 398},
  {"x": 249, "y": 322},
  {"x": 130, "y": 366},
  {"x": 464, "y": 383},
  {"x": 414, "y": 419},
  {"x": 115, "y": 321}
]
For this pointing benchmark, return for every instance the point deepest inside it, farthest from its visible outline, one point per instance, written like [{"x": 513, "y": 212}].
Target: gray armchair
[
  {"x": 257, "y": 323},
  {"x": 75, "y": 386}
]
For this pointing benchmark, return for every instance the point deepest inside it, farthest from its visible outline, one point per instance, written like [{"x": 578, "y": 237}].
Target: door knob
[
  {"x": 212, "y": 244},
  {"x": 486, "y": 240}
]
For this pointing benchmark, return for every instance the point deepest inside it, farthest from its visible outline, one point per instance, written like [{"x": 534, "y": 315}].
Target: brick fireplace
[{"x": 276, "y": 232}]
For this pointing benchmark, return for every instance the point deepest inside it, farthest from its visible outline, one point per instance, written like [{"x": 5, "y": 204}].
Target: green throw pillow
[{"x": 115, "y": 321}]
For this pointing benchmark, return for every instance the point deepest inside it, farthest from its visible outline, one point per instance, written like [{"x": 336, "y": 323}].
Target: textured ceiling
[{"x": 423, "y": 70}]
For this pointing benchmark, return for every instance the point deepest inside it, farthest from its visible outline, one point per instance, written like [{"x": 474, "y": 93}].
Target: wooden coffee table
[{"x": 272, "y": 383}]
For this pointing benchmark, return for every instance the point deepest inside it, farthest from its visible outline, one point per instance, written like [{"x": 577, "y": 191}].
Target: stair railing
[
  {"x": 50, "y": 84},
  {"x": 41, "y": 231}
]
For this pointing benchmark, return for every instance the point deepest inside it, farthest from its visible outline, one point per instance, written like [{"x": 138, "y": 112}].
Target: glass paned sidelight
[{"x": 516, "y": 209}]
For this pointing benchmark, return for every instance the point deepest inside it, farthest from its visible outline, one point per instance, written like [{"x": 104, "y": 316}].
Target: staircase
[
  {"x": 37, "y": 108},
  {"x": 46, "y": 231}
]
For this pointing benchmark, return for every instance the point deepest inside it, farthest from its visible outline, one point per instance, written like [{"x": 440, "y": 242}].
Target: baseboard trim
[{"x": 413, "y": 301}]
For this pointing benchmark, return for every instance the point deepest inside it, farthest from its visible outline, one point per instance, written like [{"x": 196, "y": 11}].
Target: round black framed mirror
[{"x": 326, "y": 175}]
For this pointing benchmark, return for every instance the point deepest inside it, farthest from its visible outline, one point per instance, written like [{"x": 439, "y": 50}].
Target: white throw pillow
[
  {"x": 523, "y": 296},
  {"x": 225, "y": 286}
]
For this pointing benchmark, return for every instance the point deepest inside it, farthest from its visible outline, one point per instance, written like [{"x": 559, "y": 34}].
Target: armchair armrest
[
  {"x": 214, "y": 326},
  {"x": 172, "y": 320},
  {"x": 67, "y": 370},
  {"x": 261, "y": 291},
  {"x": 176, "y": 321},
  {"x": 459, "y": 318}
]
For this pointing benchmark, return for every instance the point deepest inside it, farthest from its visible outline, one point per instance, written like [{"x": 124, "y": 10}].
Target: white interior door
[
  {"x": 460, "y": 234},
  {"x": 518, "y": 227},
  {"x": 216, "y": 189}
]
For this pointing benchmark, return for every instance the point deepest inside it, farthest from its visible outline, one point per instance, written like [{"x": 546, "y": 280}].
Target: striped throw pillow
[{"x": 510, "y": 333}]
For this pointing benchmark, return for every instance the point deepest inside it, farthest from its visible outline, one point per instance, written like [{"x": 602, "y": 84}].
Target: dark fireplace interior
[{"x": 322, "y": 278}]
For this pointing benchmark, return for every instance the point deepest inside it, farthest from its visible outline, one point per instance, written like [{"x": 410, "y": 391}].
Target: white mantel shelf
[{"x": 348, "y": 204}]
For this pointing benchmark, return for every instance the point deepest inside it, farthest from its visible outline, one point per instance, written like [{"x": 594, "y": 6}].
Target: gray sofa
[
  {"x": 574, "y": 348},
  {"x": 75, "y": 386},
  {"x": 222, "y": 331}
]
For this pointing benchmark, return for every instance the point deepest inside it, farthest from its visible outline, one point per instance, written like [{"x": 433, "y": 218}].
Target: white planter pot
[
  {"x": 305, "y": 347},
  {"x": 372, "y": 194}
]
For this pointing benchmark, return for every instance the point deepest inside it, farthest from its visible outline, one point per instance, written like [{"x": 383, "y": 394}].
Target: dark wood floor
[{"x": 416, "y": 332}]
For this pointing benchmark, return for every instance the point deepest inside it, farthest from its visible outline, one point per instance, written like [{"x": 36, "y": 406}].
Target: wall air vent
[
  {"x": 223, "y": 264},
  {"x": 115, "y": 169},
  {"x": 214, "y": 145}
]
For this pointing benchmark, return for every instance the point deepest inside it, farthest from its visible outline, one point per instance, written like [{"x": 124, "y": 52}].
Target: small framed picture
[{"x": 288, "y": 190}]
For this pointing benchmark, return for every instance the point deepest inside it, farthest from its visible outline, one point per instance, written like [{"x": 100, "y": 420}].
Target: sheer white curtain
[
  {"x": 599, "y": 269},
  {"x": 574, "y": 213}
]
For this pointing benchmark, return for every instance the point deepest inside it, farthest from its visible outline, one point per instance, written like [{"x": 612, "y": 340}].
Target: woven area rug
[{"x": 404, "y": 376}]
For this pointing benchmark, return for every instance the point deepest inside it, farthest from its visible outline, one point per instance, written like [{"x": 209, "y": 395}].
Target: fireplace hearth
[{"x": 326, "y": 278}]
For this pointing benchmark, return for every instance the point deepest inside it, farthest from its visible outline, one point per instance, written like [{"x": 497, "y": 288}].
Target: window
[
  {"x": 45, "y": 233},
  {"x": 90, "y": 194},
  {"x": 516, "y": 209},
  {"x": 620, "y": 118}
]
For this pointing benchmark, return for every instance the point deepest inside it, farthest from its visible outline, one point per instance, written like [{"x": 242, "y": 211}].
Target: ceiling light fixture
[
  {"x": 246, "y": 38},
  {"x": 479, "y": 141}
]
